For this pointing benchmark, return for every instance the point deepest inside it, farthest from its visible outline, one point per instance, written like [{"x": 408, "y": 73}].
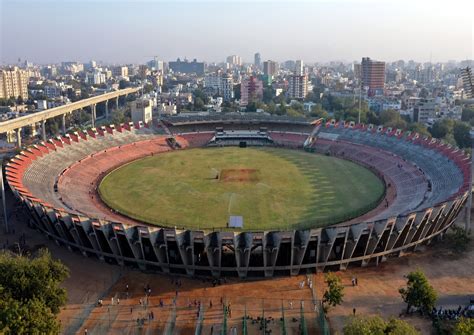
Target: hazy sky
[{"x": 46, "y": 31}]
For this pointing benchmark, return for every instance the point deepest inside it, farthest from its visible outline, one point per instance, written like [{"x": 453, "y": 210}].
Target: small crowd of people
[
  {"x": 308, "y": 282},
  {"x": 452, "y": 314}
]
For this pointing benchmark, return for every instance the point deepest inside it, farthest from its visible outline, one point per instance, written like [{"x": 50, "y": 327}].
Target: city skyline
[{"x": 136, "y": 32}]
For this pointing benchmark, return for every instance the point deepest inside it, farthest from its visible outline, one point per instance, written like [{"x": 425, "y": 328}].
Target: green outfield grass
[{"x": 284, "y": 189}]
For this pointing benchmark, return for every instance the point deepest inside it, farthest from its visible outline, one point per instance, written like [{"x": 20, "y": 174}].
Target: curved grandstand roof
[{"x": 237, "y": 117}]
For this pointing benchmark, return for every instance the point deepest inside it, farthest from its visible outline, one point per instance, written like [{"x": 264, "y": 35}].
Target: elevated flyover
[{"x": 18, "y": 123}]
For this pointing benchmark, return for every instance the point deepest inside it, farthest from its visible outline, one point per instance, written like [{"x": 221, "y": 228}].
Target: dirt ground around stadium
[{"x": 377, "y": 292}]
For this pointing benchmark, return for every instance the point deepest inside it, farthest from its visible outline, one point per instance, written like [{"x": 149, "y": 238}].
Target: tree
[
  {"x": 461, "y": 134},
  {"x": 418, "y": 293},
  {"x": 467, "y": 114},
  {"x": 376, "y": 325},
  {"x": 365, "y": 325},
  {"x": 400, "y": 327},
  {"x": 318, "y": 111},
  {"x": 392, "y": 118},
  {"x": 270, "y": 107},
  {"x": 372, "y": 118},
  {"x": 147, "y": 88},
  {"x": 200, "y": 94},
  {"x": 30, "y": 295},
  {"x": 465, "y": 326},
  {"x": 297, "y": 106},
  {"x": 268, "y": 94},
  {"x": 294, "y": 112},
  {"x": 30, "y": 317},
  {"x": 117, "y": 116},
  {"x": 198, "y": 104},
  {"x": 458, "y": 239},
  {"x": 424, "y": 93},
  {"x": 124, "y": 84},
  {"x": 418, "y": 128},
  {"x": 441, "y": 128},
  {"x": 7, "y": 102},
  {"x": 334, "y": 292}
]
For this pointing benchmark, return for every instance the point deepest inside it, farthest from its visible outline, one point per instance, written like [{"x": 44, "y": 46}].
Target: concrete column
[
  {"x": 93, "y": 114},
  {"x": 43, "y": 130},
  {"x": 18, "y": 137},
  {"x": 64, "y": 123},
  {"x": 5, "y": 215},
  {"x": 106, "y": 109},
  {"x": 467, "y": 225}
]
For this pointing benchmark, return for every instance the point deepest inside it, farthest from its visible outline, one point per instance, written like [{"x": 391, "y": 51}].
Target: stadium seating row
[{"x": 54, "y": 178}]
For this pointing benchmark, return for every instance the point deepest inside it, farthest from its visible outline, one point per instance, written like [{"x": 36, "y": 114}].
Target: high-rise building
[
  {"x": 257, "y": 60},
  {"x": 49, "y": 71},
  {"x": 13, "y": 83},
  {"x": 251, "y": 89},
  {"x": 299, "y": 68},
  {"x": 158, "y": 78},
  {"x": 222, "y": 84},
  {"x": 212, "y": 81},
  {"x": 187, "y": 67},
  {"x": 72, "y": 67},
  {"x": 226, "y": 87},
  {"x": 156, "y": 65},
  {"x": 373, "y": 76},
  {"x": 297, "y": 86},
  {"x": 468, "y": 82},
  {"x": 356, "y": 68},
  {"x": 95, "y": 78},
  {"x": 120, "y": 71},
  {"x": 234, "y": 60},
  {"x": 270, "y": 68}
]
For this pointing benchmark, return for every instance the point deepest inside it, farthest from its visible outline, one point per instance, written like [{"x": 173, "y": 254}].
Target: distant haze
[{"x": 317, "y": 31}]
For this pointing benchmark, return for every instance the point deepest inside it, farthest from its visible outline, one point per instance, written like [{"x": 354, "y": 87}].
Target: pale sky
[{"x": 50, "y": 31}]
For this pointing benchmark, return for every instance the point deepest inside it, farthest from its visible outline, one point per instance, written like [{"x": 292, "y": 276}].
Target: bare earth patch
[
  {"x": 377, "y": 293},
  {"x": 239, "y": 175}
]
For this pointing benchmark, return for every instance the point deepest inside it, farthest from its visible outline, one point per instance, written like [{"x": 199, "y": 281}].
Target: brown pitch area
[{"x": 240, "y": 175}]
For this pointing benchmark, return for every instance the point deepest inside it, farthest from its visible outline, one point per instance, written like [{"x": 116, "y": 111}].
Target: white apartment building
[
  {"x": 96, "y": 78},
  {"x": 223, "y": 84},
  {"x": 297, "y": 86},
  {"x": 299, "y": 68},
  {"x": 13, "y": 83},
  {"x": 234, "y": 60},
  {"x": 226, "y": 88},
  {"x": 142, "y": 110}
]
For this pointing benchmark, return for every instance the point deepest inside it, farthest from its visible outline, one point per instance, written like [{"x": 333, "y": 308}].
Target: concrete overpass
[{"x": 41, "y": 117}]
